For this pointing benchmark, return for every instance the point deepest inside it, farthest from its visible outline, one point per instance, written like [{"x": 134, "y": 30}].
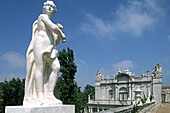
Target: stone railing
[
  {"x": 125, "y": 109},
  {"x": 146, "y": 107},
  {"x": 110, "y": 102}
]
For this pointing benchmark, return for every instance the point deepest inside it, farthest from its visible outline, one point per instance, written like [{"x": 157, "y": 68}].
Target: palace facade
[{"x": 126, "y": 89}]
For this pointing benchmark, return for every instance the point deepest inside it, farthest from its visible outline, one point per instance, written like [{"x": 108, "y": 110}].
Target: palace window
[
  {"x": 123, "y": 93},
  {"x": 163, "y": 97},
  {"x": 111, "y": 93}
]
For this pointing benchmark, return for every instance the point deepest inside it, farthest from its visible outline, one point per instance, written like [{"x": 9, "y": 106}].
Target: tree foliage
[
  {"x": 1, "y": 99},
  {"x": 67, "y": 90},
  {"x": 89, "y": 90},
  {"x": 66, "y": 85},
  {"x": 11, "y": 93}
]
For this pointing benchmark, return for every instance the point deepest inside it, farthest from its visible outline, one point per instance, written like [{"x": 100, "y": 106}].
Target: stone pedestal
[{"x": 41, "y": 109}]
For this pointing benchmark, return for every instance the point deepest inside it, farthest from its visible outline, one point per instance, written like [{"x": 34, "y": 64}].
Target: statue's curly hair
[{"x": 49, "y": 2}]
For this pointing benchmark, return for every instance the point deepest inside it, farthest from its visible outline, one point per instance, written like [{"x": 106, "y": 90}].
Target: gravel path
[{"x": 164, "y": 109}]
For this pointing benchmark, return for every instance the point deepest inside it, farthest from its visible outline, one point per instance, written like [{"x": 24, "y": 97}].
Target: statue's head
[{"x": 49, "y": 8}]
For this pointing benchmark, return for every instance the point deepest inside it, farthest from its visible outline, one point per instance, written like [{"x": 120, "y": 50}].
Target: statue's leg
[
  {"x": 38, "y": 49},
  {"x": 40, "y": 65},
  {"x": 55, "y": 65}
]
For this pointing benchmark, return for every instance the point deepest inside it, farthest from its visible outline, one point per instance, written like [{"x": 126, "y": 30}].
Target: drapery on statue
[{"x": 41, "y": 62}]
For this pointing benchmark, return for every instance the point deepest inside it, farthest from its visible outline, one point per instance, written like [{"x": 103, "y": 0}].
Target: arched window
[{"x": 123, "y": 93}]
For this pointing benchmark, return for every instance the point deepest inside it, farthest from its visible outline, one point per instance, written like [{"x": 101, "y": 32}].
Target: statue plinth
[{"x": 41, "y": 109}]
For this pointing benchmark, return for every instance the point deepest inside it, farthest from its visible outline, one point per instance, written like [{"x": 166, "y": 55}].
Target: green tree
[
  {"x": 68, "y": 70},
  {"x": 1, "y": 99},
  {"x": 67, "y": 89},
  {"x": 79, "y": 99},
  {"x": 12, "y": 93},
  {"x": 89, "y": 90}
]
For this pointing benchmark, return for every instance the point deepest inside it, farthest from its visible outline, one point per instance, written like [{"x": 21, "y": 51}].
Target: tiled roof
[{"x": 165, "y": 87}]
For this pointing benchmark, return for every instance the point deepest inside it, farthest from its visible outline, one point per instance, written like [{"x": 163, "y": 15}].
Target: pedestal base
[{"x": 41, "y": 109}]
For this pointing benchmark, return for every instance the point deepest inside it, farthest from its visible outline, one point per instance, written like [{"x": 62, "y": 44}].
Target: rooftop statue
[
  {"x": 41, "y": 62},
  {"x": 98, "y": 75},
  {"x": 157, "y": 71}
]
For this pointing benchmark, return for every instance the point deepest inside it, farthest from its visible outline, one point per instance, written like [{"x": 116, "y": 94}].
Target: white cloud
[
  {"x": 97, "y": 27},
  {"x": 13, "y": 59},
  {"x": 123, "y": 64},
  {"x": 81, "y": 64},
  {"x": 134, "y": 18},
  {"x": 139, "y": 16},
  {"x": 82, "y": 61},
  {"x": 168, "y": 37},
  {"x": 9, "y": 76},
  {"x": 6, "y": 76}
]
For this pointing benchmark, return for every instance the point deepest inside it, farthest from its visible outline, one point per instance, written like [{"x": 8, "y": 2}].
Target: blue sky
[{"x": 104, "y": 34}]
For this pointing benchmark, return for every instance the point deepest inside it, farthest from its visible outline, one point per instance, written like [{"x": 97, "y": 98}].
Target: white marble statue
[
  {"x": 42, "y": 64},
  {"x": 148, "y": 73},
  {"x": 98, "y": 75},
  {"x": 157, "y": 71},
  {"x": 142, "y": 74}
]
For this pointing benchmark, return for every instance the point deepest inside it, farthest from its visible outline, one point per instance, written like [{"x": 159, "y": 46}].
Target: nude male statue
[{"x": 42, "y": 64}]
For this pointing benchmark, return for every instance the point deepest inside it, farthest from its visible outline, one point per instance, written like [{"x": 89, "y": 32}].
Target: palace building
[
  {"x": 165, "y": 94},
  {"x": 124, "y": 89}
]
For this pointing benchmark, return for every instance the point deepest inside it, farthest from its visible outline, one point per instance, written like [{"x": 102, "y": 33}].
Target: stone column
[
  {"x": 106, "y": 94},
  {"x": 133, "y": 93},
  {"x": 102, "y": 95},
  {"x": 113, "y": 95},
  {"x": 116, "y": 91},
  {"x": 167, "y": 97},
  {"x": 91, "y": 110},
  {"x": 129, "y": 91},
  {"x": 149, "y": 90},
  {"x": 98, "y": 109}
]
